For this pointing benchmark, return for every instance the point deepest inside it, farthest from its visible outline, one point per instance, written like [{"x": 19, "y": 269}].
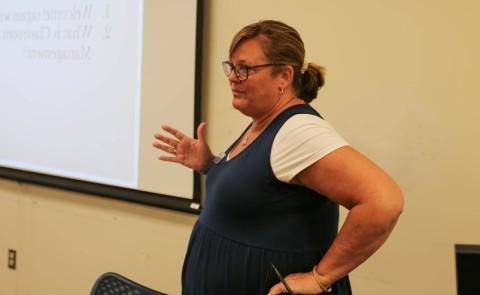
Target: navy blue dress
[{"x": 251, "y": 220}]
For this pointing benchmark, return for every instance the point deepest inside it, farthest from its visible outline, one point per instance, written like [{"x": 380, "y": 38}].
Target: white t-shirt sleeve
[{"x": 300, "y": 142}]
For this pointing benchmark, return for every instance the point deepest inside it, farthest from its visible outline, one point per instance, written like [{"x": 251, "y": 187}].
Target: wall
[
  {"x": 65, "y": 240},
  {"x": 401, "y": 87}
]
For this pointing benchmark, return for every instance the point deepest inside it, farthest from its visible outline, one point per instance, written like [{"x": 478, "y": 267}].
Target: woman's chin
[
  {"x": 242, "y": 108},
  {"x": 238, "y": 103}
]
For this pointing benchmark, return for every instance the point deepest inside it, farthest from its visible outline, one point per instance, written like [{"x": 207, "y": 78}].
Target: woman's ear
[{"x": 286, "y": 76}]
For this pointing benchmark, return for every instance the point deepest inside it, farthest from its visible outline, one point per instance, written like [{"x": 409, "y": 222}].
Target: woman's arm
[{"x": 375, "y": 202}]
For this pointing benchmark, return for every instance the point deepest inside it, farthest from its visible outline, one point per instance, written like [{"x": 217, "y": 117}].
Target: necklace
[{"x": 245, "y": 138}]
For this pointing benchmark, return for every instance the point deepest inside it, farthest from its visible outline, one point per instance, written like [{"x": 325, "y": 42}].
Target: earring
[{"x": 281, "y": 90}]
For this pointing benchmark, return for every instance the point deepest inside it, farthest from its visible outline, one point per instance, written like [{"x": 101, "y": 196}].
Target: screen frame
[
  {"x": 466, "y": 281},
  {"x": 192, "y": 205}
]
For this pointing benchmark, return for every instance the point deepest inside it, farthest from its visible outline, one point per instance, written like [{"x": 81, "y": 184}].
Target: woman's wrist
[
  {"x": 326, "y": 288},
  {"x": 209, "y": 164},
  {"x": 211, "y": 161}
]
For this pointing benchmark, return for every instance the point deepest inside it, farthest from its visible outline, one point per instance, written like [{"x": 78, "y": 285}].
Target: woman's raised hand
[{"x": 190, "y": 152}]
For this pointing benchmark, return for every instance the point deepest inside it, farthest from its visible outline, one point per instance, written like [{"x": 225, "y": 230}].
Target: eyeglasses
[{"x": 241, "y": 71}]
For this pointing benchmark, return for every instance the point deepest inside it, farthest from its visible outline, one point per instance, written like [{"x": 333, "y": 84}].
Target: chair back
[{"x": 111, "y": 283}]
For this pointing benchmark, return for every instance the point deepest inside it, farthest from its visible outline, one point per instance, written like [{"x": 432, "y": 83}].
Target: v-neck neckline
[{"x": 228, "y": 158}]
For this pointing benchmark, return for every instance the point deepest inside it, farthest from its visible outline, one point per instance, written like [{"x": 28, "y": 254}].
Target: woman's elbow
[{"x": 394, "y": 203}]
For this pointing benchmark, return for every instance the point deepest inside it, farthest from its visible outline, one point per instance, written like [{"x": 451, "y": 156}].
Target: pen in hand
[{"x": 282, "y": 280}]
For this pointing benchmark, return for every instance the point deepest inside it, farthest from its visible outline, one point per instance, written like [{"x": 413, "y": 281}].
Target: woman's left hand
[{"x": 299, "y": 283}]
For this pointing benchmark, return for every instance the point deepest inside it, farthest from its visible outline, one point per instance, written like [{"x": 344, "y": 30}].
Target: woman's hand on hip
[{"x": 299, "y": 283}]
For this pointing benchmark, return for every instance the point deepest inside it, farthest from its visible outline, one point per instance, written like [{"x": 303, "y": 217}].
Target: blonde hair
[{"x": 282, "y": 44}]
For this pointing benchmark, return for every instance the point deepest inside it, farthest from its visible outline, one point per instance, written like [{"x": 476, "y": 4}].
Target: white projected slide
[
  {"x": 70, "y": 83},
  {"x": 84, "y": 85}
]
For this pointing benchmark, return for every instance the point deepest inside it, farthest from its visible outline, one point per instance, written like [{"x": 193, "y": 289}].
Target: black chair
[{"x": 111, "y": 283}]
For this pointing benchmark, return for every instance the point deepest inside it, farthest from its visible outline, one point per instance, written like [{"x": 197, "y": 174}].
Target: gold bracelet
[{"x": 317, "y": 279}]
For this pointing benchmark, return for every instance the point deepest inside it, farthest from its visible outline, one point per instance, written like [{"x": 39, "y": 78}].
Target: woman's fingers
[
  {"x": 178, "y": 134},
  {"x": 278, "y": 288},
  {"x": 179, "y": 142},
  {"x": 170, "y": 159},
  {"x": 183, "y": 149},
  {"x": 169, "y": 149},
  {"x": 170, "y": 141},
  {"x": 201, "y": 132},
  {"x": 300, "y": 283}
]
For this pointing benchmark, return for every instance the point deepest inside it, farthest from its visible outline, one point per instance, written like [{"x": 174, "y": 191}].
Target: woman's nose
[{"x": 232, "y": 77}]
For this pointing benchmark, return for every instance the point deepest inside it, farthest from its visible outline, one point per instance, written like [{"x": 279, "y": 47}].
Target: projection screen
[{"x": 86, "y": 84}]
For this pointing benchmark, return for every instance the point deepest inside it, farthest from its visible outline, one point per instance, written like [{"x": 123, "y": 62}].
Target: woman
[{"x": 273, "y": 199}]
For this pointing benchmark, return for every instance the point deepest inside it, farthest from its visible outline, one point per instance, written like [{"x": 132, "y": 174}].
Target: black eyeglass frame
[{"x": 228, "y": 67}]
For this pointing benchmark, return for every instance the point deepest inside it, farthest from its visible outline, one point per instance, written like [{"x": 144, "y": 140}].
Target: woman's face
[{"x": 258, "y": 94}]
